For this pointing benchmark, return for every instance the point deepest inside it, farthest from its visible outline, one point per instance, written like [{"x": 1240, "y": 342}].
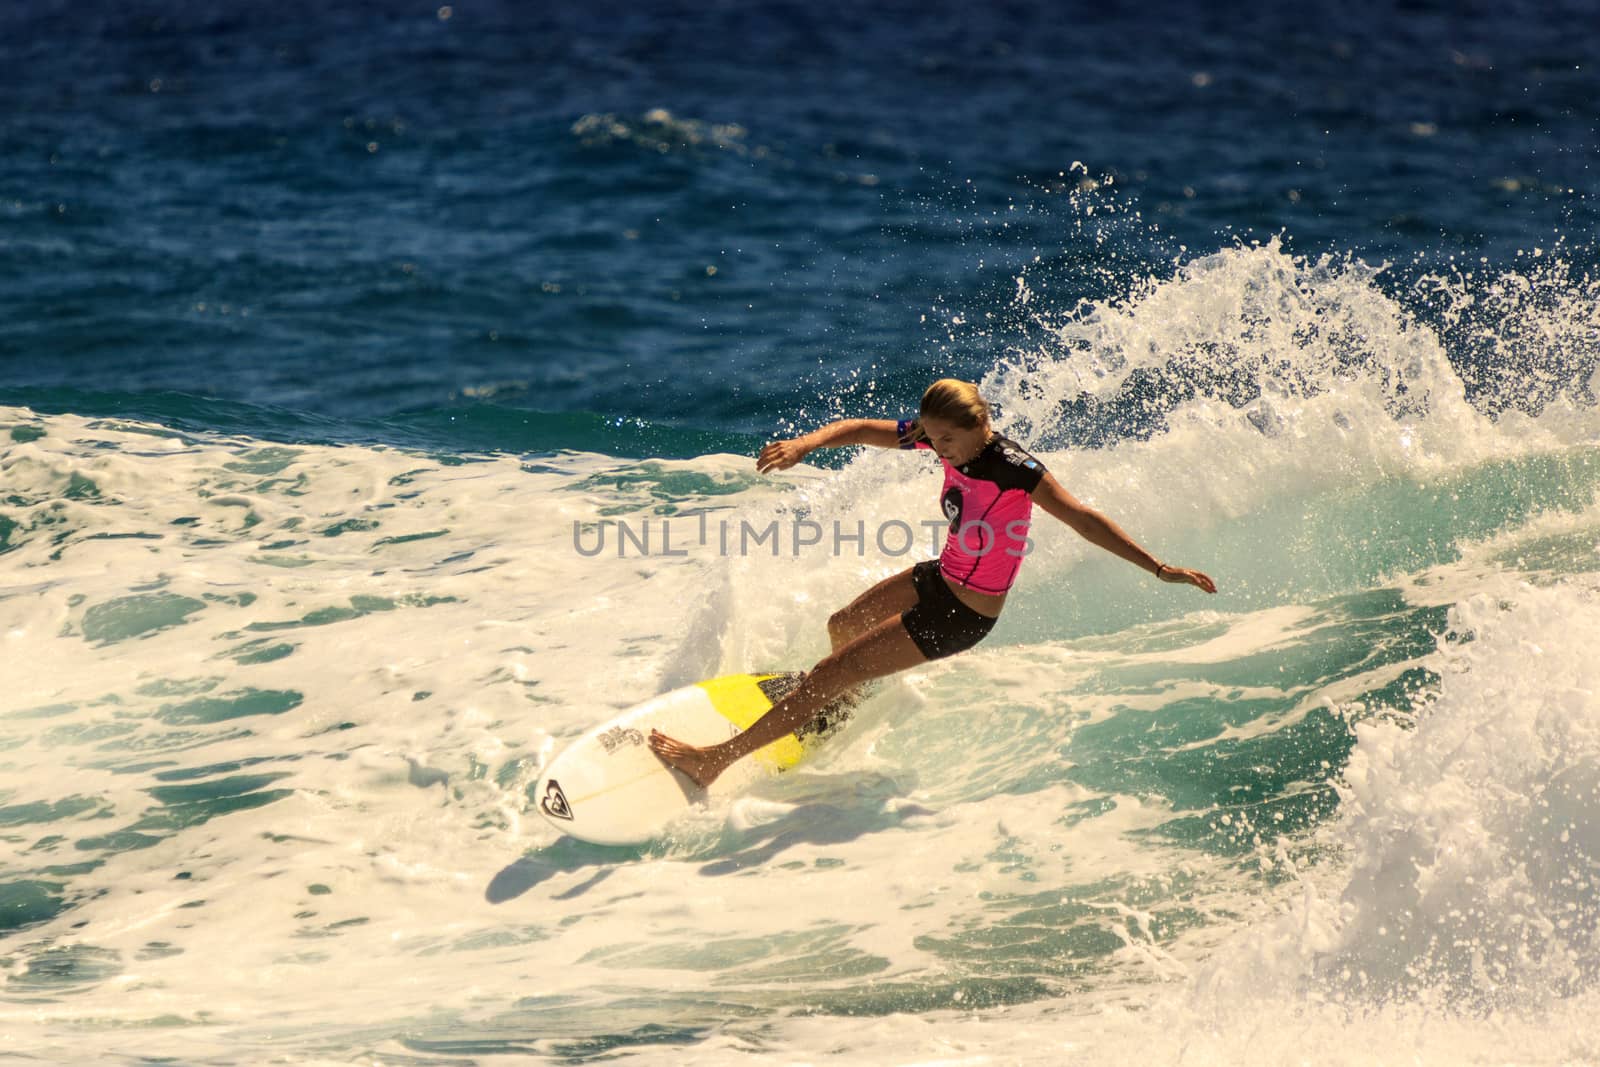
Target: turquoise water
[{"x": 329, "y": 343}]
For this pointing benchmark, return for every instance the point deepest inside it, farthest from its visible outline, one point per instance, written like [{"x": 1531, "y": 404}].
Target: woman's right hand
[
  {"x": 1184, "y": 576},
  {"x": 780, "y": 455}
]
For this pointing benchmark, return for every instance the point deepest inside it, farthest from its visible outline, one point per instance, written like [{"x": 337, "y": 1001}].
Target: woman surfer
[{"x": 937, "y": 607}]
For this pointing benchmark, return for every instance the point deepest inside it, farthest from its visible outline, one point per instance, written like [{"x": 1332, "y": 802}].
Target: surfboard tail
[{"x": 779, "y": 684}]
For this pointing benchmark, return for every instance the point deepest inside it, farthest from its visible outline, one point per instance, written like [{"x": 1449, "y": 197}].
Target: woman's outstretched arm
[
  {"x": 1097, "y": 529},
  {"x": 781, "y": 455}
]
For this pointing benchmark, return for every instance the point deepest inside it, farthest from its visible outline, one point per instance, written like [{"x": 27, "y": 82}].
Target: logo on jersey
[
  {"x": 951, "y": 502},
  {"x": 1021, "y": 459}
]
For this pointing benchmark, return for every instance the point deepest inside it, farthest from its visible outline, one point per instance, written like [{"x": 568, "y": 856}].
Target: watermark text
[{"x": 679, "y": 535}]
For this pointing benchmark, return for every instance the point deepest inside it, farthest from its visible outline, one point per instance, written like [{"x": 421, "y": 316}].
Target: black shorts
[{"x": 939, "y": 624}]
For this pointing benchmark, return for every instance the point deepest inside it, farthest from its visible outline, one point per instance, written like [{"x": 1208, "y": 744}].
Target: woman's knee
[{"x": 842, "y": 626}]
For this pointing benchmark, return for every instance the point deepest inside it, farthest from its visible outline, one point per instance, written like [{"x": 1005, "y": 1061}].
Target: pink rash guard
[{"x": 989, "y": 504}]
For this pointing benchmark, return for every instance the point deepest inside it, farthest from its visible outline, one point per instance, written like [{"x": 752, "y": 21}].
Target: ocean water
[{"x": 341, "y": 346}]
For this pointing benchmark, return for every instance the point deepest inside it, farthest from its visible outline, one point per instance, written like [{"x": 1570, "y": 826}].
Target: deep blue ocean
[
  {"x": 329, "y": 332},
  {"x": 509, "y": 226}
]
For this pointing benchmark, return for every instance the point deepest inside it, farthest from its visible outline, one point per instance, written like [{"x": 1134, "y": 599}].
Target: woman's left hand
[
  {"x": 781, "y": 455},
  {"x": 1181, "y": 576}
]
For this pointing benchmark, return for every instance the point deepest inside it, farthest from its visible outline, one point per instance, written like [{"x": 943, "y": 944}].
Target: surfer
[{"x": 940, "y": 606}]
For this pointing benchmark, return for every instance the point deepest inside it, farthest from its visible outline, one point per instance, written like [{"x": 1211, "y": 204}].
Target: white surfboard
[{"x": 608, "y": 788}]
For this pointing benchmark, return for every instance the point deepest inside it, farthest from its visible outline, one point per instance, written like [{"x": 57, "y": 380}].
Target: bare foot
[{"x": 694, "y": 762}]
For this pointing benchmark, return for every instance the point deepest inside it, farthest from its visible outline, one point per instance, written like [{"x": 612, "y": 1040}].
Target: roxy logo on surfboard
[{"x": 555, "y": 803}]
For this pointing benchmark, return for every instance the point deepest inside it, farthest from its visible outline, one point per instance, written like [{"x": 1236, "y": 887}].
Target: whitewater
[{"x": 270, "y": 712}]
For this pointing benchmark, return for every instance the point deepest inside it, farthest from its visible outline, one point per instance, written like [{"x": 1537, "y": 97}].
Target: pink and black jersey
[{"x": 989, "y": 504}]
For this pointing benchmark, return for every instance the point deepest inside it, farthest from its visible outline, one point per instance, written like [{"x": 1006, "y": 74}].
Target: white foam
[{"x": 1472, "y": 837}]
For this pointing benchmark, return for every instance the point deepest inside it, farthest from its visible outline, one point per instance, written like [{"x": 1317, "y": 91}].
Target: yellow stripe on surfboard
[{"x": 740, "y": 700}]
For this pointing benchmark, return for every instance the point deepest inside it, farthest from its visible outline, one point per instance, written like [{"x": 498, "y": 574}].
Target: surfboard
[{"x": 608, "y": 788}]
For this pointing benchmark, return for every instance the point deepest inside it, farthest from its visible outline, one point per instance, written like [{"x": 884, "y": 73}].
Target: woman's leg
[
  {"x": 885, "y": 600},
  {"x": 884, "y": 649},
  {"x": 888, "y": 598}
]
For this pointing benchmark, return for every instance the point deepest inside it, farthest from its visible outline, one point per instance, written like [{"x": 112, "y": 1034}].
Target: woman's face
[{"x": 956, "y": 444}]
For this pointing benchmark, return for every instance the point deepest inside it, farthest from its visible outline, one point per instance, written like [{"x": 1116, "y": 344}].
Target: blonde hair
[{"x": 951, "y": 400}]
